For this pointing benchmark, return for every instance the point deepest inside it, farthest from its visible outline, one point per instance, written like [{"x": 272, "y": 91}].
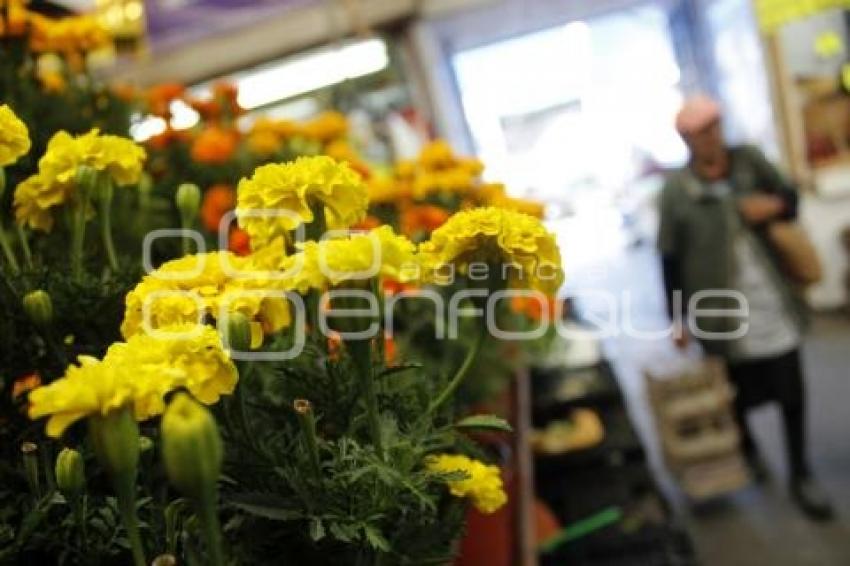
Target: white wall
[
  {"x": 824, "y": 218},
  {"x": 437, "y": 38}
]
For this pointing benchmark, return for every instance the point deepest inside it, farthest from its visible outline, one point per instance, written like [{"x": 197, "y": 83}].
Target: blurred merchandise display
[
  {"x": 699, "y": 437},
  {"x": 593, "y": 474}
]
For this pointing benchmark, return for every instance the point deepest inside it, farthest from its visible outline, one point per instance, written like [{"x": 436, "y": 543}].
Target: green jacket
[{"x": 696, "y": 238}]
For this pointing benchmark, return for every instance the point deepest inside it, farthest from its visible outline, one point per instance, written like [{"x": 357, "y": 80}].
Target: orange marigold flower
[
  {"x": 15, "y": 22},
  {"x": 124, "y": 91},
  {"x": 210, "y": 110},
  {"x": 228, "y": 94},
  {"x": 52, "y": 82},
  {"x": 368, "y": 223},
  {"x": 334, "y": 345},
  {"x": 25, "y": 384},
  {"x": 239, "y": 241},
  {"x": 214, "y": 145},
  {"x": 166, "y": 138},
  {"x": 389, "y": 349},
  {"x": 393, "y": 287},
  {"x": 424, "y": 218},
  {"x": 218, "y": 200},
  {"x": 534, "y": 306},
  {"x": 159, "y": 98}
]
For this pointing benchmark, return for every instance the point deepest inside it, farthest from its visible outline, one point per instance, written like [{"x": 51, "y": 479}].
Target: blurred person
[{"x": 712, "y": 236}]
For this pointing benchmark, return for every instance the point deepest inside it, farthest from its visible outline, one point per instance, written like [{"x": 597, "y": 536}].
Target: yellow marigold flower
[
  {"x": 482, "y": 483},
  {"x": 327, "y": 263},
  {"x": 264, "y": 142},
  {"x": 293, "y": 188},
  {"x": 387, "y": 190},
  {"x": 454, "y": 180},
  {"x": 504, "y": 239},
  {"x": 54, "y": 184},
  {"x": 326, "y": 126},
  {"x": 138, "y": 373},
  {"x": 72, "y": 35},
  {"x": 405, "y": 169},
  {"x": 437, "y": 155},
  {"x": 34, "y": 200},
  {"x": 91, "y": 387},
  {"x": 14, "y": 137},
  {"x": 187, "y": 289},
  {"x": 121, "y": 158},
  {"x": 191, "y": 353}
]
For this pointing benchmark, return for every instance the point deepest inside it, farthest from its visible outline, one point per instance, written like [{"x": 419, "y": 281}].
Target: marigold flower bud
[
  {"x": 39, "y": 308},
  {"x": 30, "y": 454},
  {"x": 188, "y": 200},
  {"x": 191, "y": 447},
  {"x": 116, "y": 441},
  {"x": 70, "y": 473},
  {"x": 236, "y": 332}
]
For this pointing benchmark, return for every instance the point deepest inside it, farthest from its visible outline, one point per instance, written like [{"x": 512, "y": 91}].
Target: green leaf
[
  {"x": 266, "y": 506},
  {"x": 344, "y": 533},
  {"x": 376, "y": 539},
  {"x": 398, "y": 369},
  {"x": 317, "y": 529},
  {"x": 490, "y": 422}
]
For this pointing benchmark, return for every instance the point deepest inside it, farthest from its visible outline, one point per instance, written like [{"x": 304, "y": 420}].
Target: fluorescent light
[
  {"x": 144, "y": 128},
  {"x": 183, "y": 116},
  {"x": 310, "y": 72},
  {"x": 300, "y": 109}
]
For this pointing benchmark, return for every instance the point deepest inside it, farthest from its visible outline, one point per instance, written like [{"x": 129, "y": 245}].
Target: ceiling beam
[{"x": 293, "y": 30}]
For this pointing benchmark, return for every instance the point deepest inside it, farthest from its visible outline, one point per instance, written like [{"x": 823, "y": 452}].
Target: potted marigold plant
[{"x": 253, "y": 412}]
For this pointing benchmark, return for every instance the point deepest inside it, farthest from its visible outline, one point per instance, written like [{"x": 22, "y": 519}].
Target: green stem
[
  {"x": 238, "y": 399},
  {"x": 211, "y": 528},
  {"x": 125, "y": 489},
  {"x": 7, "y": 251},
  {"x": 25, "y": 246},
  {"x": 79, "y": 507},
  {"x": 307, "y": 420},
  {"x": 458, "y": 378},
  {"x": 317, "y": 228},
  {"x": 106, "y": 223},
  {"x": 78, "y": 232},
  {"x": 30, "y": 452},
  {"x": 361, "y": 351}
]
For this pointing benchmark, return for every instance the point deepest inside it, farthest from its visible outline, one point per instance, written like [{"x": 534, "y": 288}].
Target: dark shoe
[
  {"x": 757, "y": 467},
  {"x": 812, "y": 500}
]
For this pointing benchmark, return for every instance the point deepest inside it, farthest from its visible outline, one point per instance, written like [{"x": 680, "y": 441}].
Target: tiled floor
[{"x": 758, "y": 525}]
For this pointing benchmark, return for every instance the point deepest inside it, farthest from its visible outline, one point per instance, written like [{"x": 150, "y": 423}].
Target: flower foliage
[{"x": 349, "y": 452}]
